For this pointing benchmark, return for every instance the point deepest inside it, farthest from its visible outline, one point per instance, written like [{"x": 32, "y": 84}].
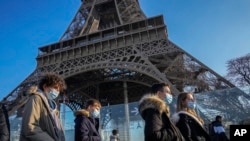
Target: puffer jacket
[
  {"x": 38, "y": 123},
  {"x": 86, "y": 127},
  {"x": 158, "y": 126},
  {"x": 190, "y": 127}
]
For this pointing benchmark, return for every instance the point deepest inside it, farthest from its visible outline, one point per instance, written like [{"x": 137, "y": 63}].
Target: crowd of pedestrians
[{"x": 41, "y": 122}]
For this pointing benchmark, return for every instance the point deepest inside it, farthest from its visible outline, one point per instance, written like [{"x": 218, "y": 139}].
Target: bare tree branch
[{"x": 238, "y": 70}]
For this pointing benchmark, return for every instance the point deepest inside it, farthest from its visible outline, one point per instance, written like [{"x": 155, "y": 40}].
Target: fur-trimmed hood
[
  {"x": 176, "y": 117},
  {"x": 35, "y": 90},
  {"x": 37, "y": 105},
  {"x": 82, "y": 112},
  {"x": 154, "y": 102}
]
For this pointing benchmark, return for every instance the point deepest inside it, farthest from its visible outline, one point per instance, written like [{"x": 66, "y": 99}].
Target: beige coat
[{"x": 38, "y": 123}]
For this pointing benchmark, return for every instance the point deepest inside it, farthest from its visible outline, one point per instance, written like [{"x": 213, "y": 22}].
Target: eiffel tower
[{"x": 112, "y": 52}]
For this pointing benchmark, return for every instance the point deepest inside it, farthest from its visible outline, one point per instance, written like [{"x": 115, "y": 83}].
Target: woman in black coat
[{"x": 186, "y": 119}]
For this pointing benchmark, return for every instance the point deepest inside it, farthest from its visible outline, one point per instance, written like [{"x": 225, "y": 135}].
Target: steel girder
[
  {"x": 96, "y": 59},
  {"x": 102, "y": 14}
]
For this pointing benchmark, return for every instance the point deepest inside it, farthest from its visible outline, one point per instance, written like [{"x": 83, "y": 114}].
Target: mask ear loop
[{"x": 196, "y": 109}]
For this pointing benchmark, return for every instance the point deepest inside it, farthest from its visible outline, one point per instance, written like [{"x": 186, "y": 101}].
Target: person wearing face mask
[
  {"x": 87, "y": 122},
  {"x": 154, "y": 110},
  {"x": 40, "y": 120},
  {"x": 187, "y": 120}
]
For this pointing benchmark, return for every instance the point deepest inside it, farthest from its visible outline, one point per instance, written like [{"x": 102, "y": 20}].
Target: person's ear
[
  {"x": 182, "y": 103},
  {"x": 89, "y": 107},
  {"x": 45, "y": 86},
  {"x": 158, "y": 93}
]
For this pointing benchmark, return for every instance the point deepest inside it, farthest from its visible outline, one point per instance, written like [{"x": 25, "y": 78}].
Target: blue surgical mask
[
  {"x": 95, "y": 114},
  {"x": 53, "y": 94},
  {"x": 168, "y": 98},
  {"x": 191, "y": 105}
]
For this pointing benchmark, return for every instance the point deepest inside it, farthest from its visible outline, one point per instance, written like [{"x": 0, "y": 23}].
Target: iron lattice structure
[{"x": 111, "y": 51}]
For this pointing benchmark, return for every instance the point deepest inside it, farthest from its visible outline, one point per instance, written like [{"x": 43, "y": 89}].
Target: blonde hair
[{"x": 180, "y": 107}]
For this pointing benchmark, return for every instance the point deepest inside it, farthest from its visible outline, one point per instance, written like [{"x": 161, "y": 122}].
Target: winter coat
[
  {"x": 86, "y": 127},
  {"x": 217, "y": 132},
  {"x": 158, "y": 126},
  {"x": 39, "y": 120},
  {"x": 190, "y": 127},
  {"x": 114, "y": 138},
  {"x": 4, "y": 124}
]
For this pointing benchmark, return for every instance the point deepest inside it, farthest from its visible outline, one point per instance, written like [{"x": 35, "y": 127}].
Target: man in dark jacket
[
  {"x": 87, "y": 122},
  {"x": 4, "y": 124},
  {"x": 155, "y": 111},
  {"x": 217, "y": 131}
]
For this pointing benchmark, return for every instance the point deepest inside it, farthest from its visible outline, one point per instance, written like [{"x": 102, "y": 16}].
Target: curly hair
[{"x": 52, "y": 79}]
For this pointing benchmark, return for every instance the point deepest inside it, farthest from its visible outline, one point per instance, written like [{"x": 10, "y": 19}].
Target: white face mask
[
  {"x": 53, "y": 94},
  {"x": 191, "y": 105},
  {"x": 95, "y": 114},
  {"x": 168, "y": 98}
]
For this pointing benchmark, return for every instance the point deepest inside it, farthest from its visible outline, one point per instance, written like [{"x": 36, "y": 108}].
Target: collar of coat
[
  {"x": 153, "y": 102},
  {"x": 33, "y": 90},
  {"x": 82, "y": 112},
  {"x": 176, "y": 117}
]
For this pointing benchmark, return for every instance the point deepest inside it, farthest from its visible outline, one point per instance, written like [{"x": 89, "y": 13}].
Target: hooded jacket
[
  {"x": 158, "y": 127},
  {"x": 190, "y": 127},
  {"x": 86, "y": 127},
  {"x": 38, "y": 123}
]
